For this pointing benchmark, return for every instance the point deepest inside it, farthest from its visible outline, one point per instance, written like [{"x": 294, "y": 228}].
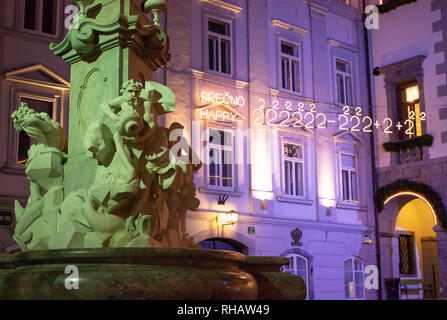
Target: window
[
  {"x": 343, "y": 81},
  {"x": 292, "y": 169},
  {"x": 354, "y": 279},
  {"x": 220, "y": 158},
  {"x": 408, "y": 110},
  {"x": 407, "y": 265},
  {"x": 349, "y": 181},
  {"x": 48, "y": 94},
  {"x": 404, "y": 85},
  {"x": 219, "y": 46},
  {"x": 290, "y": 67},
  {"x": 298, "y": 266},
  {"x": 25, "y": 142},
  {"x": 6, "y": 218},
  {"x": 40, "y": 16}
]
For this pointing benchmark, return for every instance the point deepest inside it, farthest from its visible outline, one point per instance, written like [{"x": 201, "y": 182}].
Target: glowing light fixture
[
  {"x": 329, "y": 205},
  {"x": 410, "y": 193},
  {"x": 227, "y": 218},
  {"x": 367, "y": 238},
  {"x": 412, "y": 93}
]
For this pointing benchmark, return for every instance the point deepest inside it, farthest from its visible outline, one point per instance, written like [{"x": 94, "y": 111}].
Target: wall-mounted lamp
[
  {"x": 227, "y": 219},
  {"x": 263, "y": 204},
  {"x": 367, "y": 238}
]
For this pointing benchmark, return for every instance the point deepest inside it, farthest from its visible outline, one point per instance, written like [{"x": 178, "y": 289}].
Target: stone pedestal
[{"x": 113, "y": 42}]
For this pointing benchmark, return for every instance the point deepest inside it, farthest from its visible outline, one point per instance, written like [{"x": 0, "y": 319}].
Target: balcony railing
[
  {"x": 411, "y": 150},
  {"x": 410, "y": 155}
]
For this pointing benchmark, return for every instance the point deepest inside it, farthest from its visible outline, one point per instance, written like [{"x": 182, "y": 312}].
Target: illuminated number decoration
[
  {"x": 367, "y": 127},
  {"x": 320, "y": 125},
  {"x": 350, "y": 119},
  {"x": 343, "y": 124},
  {"x": 287, "y": 113}
]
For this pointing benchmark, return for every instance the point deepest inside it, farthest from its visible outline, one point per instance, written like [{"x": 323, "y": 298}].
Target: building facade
[
  {"x": 274, "y": 98},
  {"x": 261, "y": 88},
  {"x": 29, "y": 73},
  {"x": 408, "y": 56}
]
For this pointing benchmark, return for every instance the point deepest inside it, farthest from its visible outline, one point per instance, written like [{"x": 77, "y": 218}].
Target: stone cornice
[
  {"x": 207, "y": 215},
  {"x": 288, "y": 26},
  {"x": 224, "y": 5},
  {"x": 220, "y": 80},
  {"x": 343, "y": 45},
  {"x": 403, "y": 70},
  {"x": 317, "y": 10},
  {"x": 85, "y": 40},
  {"x": 320, "y": 8},
  {"x": 20, "y": 77},
  {"x": 91, "y": 38}
]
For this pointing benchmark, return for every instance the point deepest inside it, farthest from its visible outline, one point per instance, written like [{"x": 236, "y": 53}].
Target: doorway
[
  {"x": 223, "y": 244},
  {"x": 417, "y": 256}
]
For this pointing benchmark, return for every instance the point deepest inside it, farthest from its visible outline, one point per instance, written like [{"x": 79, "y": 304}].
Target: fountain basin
[{"x": 127, "y": 273}]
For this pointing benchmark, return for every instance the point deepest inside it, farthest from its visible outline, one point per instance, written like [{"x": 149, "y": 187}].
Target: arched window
[
  {"x": 298, "y": 266},
  {"x": 354, "y": 279}
]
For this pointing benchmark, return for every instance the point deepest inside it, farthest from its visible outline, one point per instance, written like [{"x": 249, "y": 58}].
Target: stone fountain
[{"x": 111, "y": 202}]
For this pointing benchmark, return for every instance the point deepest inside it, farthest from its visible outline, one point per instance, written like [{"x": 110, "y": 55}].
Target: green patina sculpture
[
  {"x": 121, "y": 181},
  {"x": 118, "y": 184}
]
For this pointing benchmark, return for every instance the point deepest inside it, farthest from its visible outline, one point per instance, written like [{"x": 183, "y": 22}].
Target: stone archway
[
  {"x": 392, "y": 201},
  {"x": 232, "y": 237},
  {"x": 417, "y": 189},
  {"x": 223, "y": 244}
]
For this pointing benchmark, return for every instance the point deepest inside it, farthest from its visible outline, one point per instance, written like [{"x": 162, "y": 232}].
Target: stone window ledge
[{"x": 295, "y": 200}]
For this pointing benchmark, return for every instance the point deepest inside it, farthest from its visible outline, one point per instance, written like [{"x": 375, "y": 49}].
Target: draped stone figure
[{"x": 141, "y": 190}]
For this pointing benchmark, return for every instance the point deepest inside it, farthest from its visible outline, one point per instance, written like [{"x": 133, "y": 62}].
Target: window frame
[
  {"x": 353, "y": 259},
  {"x": 206, "y": 148},
  {"x": 294, "y": 270},
  {"x": 19, "y": 92},
  {"x": 38, "y": 19},
  {"x": 398, "y": 73},
  {"x": 284, "y": 141},
  {"x": 349, "y": 169},
  {"x": 413, "y": 256},
  {"x": 230, "y": 38},
  {"x": 343, "y": 74},
  {"x": 298, "y": 59},
  {"x": 401, "y": 104},
  {"x": 21, "y": 95}
]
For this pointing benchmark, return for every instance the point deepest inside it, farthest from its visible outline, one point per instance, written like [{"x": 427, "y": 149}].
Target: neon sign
[
  {"x": 345, "y": 121},
  {"x": 222, "y": 98},
  {"x": 217, "y": 115}
]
